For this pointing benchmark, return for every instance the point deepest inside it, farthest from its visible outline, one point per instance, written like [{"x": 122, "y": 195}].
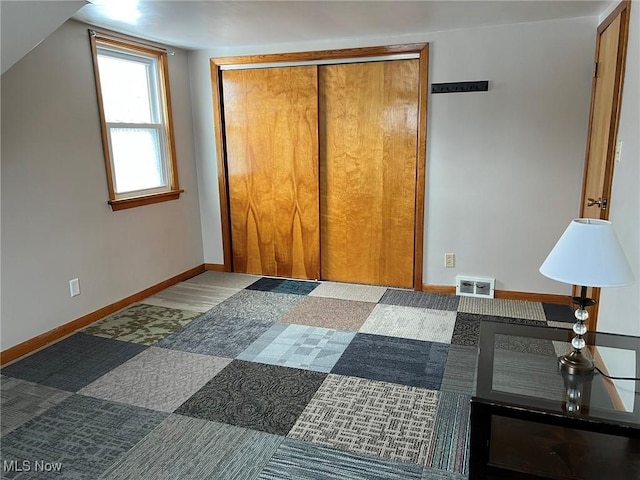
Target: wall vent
[{"x": 475, "y": 286}]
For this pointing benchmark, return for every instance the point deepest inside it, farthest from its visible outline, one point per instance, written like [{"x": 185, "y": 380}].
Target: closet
[{"x": 322, "y": 171}]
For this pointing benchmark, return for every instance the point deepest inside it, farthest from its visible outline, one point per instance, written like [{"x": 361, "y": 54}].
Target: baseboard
[
  {"x": 57, "y": 333},
  {"x": 216, "y": 267},
  {"x": 506, "y": 294}
]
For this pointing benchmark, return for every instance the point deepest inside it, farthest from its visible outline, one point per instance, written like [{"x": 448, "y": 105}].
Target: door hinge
[{"x": 595, "y": 69}]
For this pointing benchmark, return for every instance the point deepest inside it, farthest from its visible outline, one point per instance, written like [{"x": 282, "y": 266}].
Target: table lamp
[{"x": 588, "y": 254}]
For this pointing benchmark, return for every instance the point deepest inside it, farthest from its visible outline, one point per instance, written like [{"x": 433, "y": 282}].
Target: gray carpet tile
[
  {"x": 224, "y": 279},
  {"x": 85, "y": 435},
  {"x": 449, "y": 448},
  {"x": 74, "y": 362},
  {"x": 296, "y": 460},
  {"x": 372, "y": 418},
  {"x": 21, "y": 401},
  {"x": 268, "y": 398},
  {"x": 409, "y": 298},
  {"x": 158, "y": 379},
  {"x": 282, "y": 285},
  {"x": 394, "y": 360},
  {"x": 144, "y": 324},
  {"x": 466, "y": 330},
  {"x": 334, "y": 313},
  {"x": 211, "y": 335},
  {"x": 536, "y": 346},
  {"x": 196, "y": 297},
  {"x": 349, "y": 291},
  {"x": 558, "y": 313},
  {"x": 190, "y": 448},
  {"x": 437, "y": 474},
  {"x": 502, "y": 308},
  {"x": 527, "y": 374},
  {"x": 256, "y": 306},
  {"x": 461, "y": 370},
  {"x": 299, "y": 346},
  {"x": 410, "y": 322}
]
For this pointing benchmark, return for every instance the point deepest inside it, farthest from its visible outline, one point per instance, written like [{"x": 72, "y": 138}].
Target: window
[{"x": 134, "y": 102}]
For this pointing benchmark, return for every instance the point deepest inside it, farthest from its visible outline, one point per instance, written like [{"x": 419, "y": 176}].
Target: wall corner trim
[{"x": 44, "y": 339}]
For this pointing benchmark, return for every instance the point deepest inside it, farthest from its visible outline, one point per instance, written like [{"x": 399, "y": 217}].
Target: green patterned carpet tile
[{"x": 143, "y": 324}]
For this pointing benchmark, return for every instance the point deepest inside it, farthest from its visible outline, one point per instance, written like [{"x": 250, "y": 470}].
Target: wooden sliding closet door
[
  {"x": 368, "y": 160},
  {"x": 271, "y": 132}
]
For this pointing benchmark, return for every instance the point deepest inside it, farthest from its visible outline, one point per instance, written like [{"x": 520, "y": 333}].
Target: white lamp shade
[{"x": 588, "y": 254}]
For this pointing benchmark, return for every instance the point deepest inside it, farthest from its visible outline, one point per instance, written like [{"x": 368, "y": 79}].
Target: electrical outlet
[
  {"x": 74, "y": 287},
  {"x": 449, "y": 260},
  {"x": 618, "y": 154}
]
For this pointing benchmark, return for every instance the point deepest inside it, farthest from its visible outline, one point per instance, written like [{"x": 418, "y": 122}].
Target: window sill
[{"x": 132, "y": 202}]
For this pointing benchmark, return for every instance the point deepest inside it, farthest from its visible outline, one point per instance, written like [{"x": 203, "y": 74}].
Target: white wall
[
  {"x": 504, "y": 167},
  {"x": 56, "y": 224},
  {"x": 620, "y": 307}
]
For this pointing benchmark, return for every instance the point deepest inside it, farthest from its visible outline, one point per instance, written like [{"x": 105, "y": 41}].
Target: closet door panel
[
  {"x": 271, "y": 132},
  {"x": 368, "y": 144}
]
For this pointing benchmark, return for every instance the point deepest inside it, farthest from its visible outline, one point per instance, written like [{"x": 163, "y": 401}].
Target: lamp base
[{"x": 576, "y": 363}]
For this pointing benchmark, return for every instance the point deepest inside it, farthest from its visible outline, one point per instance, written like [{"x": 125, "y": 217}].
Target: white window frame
[{"x": 160, "y": 102}]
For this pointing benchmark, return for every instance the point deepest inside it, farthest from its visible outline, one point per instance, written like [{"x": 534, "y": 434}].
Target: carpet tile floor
[{"x": 242, "y": 377}]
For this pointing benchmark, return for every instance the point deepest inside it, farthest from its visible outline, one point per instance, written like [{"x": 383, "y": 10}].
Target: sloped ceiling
[{"x": 24, "y": 24}]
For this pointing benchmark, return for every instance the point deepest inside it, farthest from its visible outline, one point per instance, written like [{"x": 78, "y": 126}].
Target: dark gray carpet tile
[
  {"x": 409, "y": 298},
  {"x": 461, "y": 370},
  {"x": 466, "y": 330},
  {"x": 268, "y": 398},
  {"x": 559, "y": 313},
  {"x": 394, "y": 360},
  {"x": 74, "y": 362},
  {"x": 265, "y": 284},
  {"x": 220, "y": 337},
  {"x": 511, "y": 320},
  {"x": 22, "y": 401},
  {"x": 190, "y": 448},
  {"x": 297, "y": 460},
  {"x": 295, "y": 287},
  {"x": 536, "y": 346},
  {"x": 83, "y": 435},
  {"x": 529, "y": 374}
]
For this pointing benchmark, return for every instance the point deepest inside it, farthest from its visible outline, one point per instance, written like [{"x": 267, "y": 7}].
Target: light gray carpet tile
[
  {"x": 21, "y": 401},
  {"x": 143, "y": 324},
  {"x": 437, "y": 474},
  {"x": 368, "y": 417},
  {"x": 461, "y": 370},
  {"x": 565, "y": 325},
  {"x": 527, "y": 374},
  {"x": 256, "y": 306},
  {"x": 333, "y": 313},
  {"x": 85, "y": 435},
  {"x": 224, "y": 279},
  {"x": 410, "y": 298},
  {"x": 502, "y": 308},
  {"x": 410, "y": 322},
  {"x": 296, "y": 460},
  {"x": 449, "y": 448},
  {"x": 299, "y": 346},
  {"x": 190, "y": 448},
  {"x": 158, "y": 379},
  {"x": 196, "y": 297},
  {"x": 349, "y": 291}
]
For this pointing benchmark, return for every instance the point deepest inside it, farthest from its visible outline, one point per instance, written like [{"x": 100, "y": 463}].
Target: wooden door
[
  {"x": 611, "y": 42},
  {"x": 271, "y": 133},
  {"x": 368, "y": 167}
]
